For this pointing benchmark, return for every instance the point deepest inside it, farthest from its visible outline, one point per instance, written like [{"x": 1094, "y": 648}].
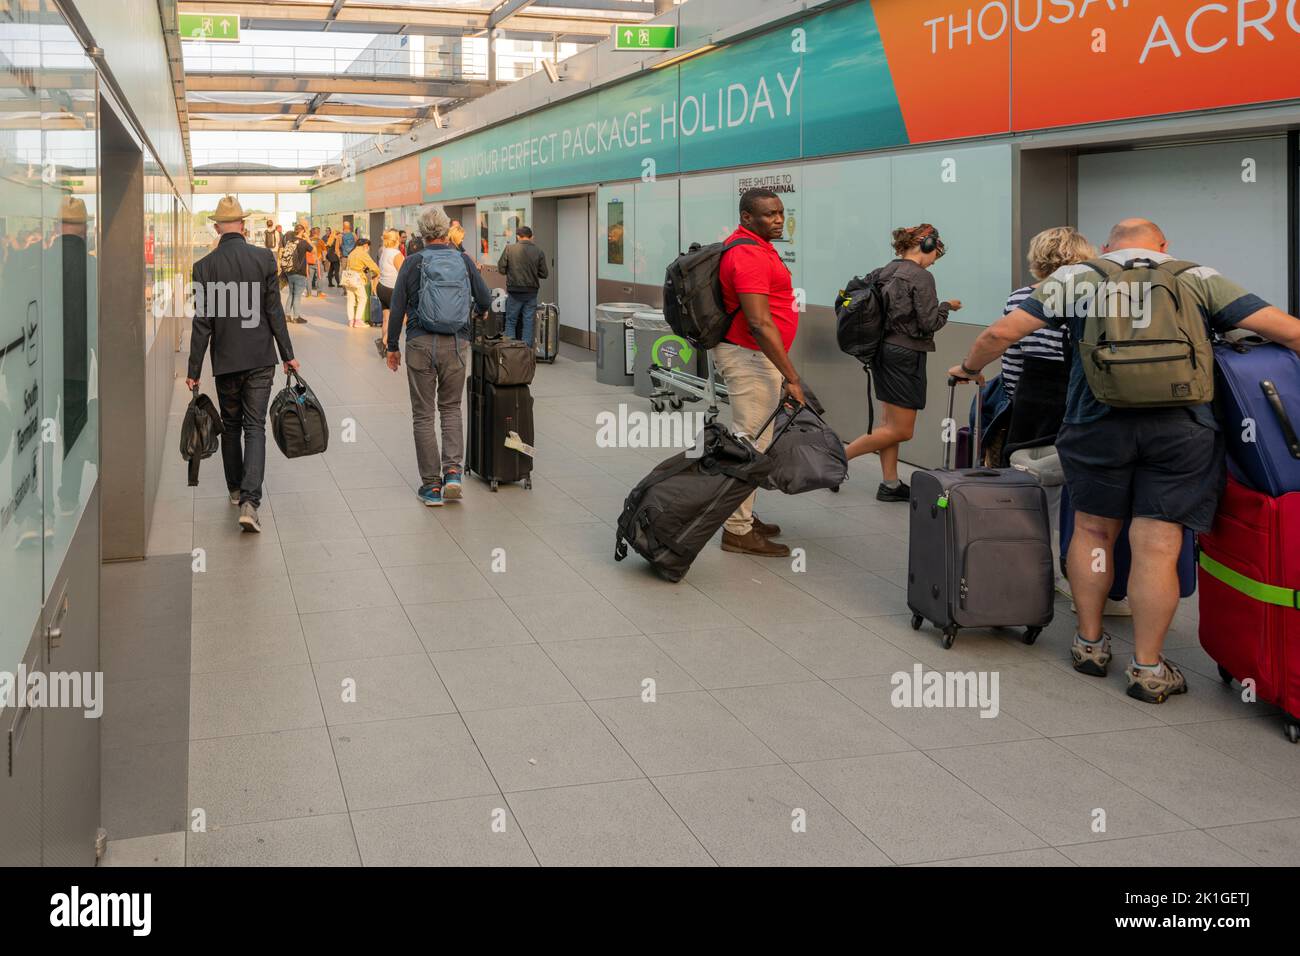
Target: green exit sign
[
  {"x": 645, "y": 38},
  {"x": 306, "y": 182},
  {"x": 200, "y": 182},
  {"x": 219, "y": 27}
]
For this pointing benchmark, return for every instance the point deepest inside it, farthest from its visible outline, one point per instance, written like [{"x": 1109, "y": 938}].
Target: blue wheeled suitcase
[
  {"x": 1258, "y": 389},
  {"x": 376, "y": 311},
  {"x": 1123, "y": 556}
]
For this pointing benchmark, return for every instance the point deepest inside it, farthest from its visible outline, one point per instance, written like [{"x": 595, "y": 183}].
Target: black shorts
[
  {"x": 385, "y": 294},
  {"x": 899, "y": 376},
  {"x": 1160, "y": 464}
]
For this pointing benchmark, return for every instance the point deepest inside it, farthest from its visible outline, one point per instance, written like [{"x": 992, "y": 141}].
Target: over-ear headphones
[{"x": 930, "y": 242}]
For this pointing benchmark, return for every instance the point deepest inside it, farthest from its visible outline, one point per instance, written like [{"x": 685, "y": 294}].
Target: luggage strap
[{"x": 1258, "y": 590}]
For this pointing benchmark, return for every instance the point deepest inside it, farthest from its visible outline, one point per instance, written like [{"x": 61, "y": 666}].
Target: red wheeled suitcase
[{"x": 1249, "y": 579}]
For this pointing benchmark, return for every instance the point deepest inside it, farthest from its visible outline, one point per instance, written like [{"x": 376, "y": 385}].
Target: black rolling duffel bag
[
  {"x": 298, "y": 421},
  {"x": 671, "y": 515}
]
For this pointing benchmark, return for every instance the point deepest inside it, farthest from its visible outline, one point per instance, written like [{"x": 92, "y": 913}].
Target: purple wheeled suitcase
[
  {"x": 1258, "y": 389},
  {"x": 979, "y": 548}
]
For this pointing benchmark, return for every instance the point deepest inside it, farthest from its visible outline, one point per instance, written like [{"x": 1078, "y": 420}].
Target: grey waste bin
[
  {"x": 656, "y": 343},
  {"x": 614, "y": 341}
]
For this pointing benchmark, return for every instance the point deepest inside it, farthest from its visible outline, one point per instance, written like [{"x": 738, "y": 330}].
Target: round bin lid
[
  {"x": 651, "y": 320},
  {"x": 620, "y": 311}
]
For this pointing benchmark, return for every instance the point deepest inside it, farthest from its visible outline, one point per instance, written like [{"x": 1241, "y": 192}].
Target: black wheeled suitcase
[
  {"x": 546, "y": 332},
  {"x": 500, "y": 433},
  {"x": 676, "y": 509},
  {"x": 979, "y": 548}
]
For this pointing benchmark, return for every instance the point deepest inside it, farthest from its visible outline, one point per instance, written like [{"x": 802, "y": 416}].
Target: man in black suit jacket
[{"x": 237, "y": 312}]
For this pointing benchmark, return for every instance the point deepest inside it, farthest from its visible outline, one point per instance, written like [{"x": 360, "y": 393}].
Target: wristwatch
[{"x": 972, "y": 372}]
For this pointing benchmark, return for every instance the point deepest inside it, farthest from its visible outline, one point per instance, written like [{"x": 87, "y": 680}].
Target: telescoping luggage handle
[{"x": 976, "y": 432}]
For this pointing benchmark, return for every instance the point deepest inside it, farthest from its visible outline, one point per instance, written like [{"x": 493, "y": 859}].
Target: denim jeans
[
  {"x": 297, "y": 292},
  {"x": 243, "y": 398},
  {"x": 521, "y": 305},
  {"x": 313, "y": 278},
  {"x": 435, "y": 371}
]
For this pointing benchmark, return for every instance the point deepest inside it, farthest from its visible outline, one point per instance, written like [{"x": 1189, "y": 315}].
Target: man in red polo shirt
[{"x": 753, "y": 356}]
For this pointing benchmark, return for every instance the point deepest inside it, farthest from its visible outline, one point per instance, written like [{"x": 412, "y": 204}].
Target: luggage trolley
[{"x": 675, "y": 387}]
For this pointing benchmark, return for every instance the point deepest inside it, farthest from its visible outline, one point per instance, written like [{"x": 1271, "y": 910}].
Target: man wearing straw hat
[{"x": 237, "y": 311}]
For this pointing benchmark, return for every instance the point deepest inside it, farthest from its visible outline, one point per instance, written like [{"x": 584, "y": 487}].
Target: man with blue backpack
[{"x": 437, "y": 288}]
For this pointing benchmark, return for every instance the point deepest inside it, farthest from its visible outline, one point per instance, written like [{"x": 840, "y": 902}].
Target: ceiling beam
[
  {"x": 229, "y": 82},
  {"x": 505, "y": 9},
  {"x": 380, "y": 18},
  {"x": 333, "y": 13},
  {"x": 286, "y": 125},
  {"x": 316, "y": 103},
  {"x": 327, "y": 109}
]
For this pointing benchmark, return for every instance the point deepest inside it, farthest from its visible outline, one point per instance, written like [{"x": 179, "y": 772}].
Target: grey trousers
[{"x": 436, "y": 368}]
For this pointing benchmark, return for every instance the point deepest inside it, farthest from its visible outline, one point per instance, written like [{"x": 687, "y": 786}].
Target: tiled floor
[{"x": 375, "y": 682}]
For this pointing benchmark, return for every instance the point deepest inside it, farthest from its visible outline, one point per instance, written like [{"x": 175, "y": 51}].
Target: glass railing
[{"x": 290, "y": 159}]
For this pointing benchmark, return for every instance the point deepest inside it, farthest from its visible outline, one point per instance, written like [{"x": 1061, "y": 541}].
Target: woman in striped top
[{"x": 1048, "y": 251}]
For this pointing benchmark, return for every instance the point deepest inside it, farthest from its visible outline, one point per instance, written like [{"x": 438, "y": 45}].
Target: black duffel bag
[
  {"x": 671, "y": 515},
  {"x": 298, "y": 421},
  {"x": 200, "y": 432},
  {"x": 506, "y": 361},
  {"x": 809, "y": 455}
]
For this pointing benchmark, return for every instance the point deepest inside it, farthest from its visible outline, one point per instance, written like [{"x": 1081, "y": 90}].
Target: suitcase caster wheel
[
  {"x": 917, "y": 621},
  {"x": 835, "y": 490},
  {"x": 528, "y": 484},
  {"x": 1031, "y": 634},
  {"x": 493, "y": 485},
  {"x": 1224, "y": 675},
  {"x": 949, "y": 636},
  {"x": 1293, "y": 733}
]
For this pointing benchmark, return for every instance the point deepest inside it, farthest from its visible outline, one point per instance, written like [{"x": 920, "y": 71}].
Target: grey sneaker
[
  {"x": 1091, "y": 659},
  {"x": 248, "y": 518},
  {"x": 1153, "y": 688},
  {"x": 234, "y": 497}
]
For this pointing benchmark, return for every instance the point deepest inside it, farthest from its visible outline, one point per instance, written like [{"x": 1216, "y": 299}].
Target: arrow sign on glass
[{"x": 645, "y": 38}]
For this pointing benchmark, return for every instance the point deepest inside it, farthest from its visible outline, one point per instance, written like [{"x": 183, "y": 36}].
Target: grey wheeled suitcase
[
  {"x": 546, "y": 332},
  {"x": 979, "y": 548}
]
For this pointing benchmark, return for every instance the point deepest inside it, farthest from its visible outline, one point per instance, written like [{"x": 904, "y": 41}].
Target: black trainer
[{"x": 885, "y": 493}]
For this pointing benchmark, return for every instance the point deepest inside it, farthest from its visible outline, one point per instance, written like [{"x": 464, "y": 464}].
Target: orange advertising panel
[
  {"x": 951, "y": 65},
  {"x": 1147, "y": 57},
  {"x": 393, "y": 184},
  {"x": 976, "y": 67}
]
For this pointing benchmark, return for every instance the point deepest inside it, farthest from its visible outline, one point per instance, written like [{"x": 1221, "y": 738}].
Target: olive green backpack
[{"x": 1145, "y": 344}]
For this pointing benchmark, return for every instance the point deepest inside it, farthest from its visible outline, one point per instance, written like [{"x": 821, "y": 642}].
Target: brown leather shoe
[
  {"x": 765, "y": 529},
  {"x": 753, "y": 543}
]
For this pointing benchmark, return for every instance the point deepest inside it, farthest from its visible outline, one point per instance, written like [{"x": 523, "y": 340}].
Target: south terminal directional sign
[
  {"x": 645, "y": 38},
  {"x": 209, "y": 27}
]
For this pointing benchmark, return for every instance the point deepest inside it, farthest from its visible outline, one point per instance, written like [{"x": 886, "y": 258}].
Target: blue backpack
[
  {"x": 348, "y": 243},
  {"x": 444, "y": 291}
]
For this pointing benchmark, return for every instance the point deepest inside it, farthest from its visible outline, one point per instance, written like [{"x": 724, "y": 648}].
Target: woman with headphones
[{"x": 913, "y": 314}]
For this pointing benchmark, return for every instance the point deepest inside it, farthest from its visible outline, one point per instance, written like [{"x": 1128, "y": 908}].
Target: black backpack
[
  {"x": 860, "y": 311},
  {"x": 860, "y": 314},
  {"x": 200, "y": 433},
  {"x": 693, "y": 304},
  {"x": 298, "y": 421}
]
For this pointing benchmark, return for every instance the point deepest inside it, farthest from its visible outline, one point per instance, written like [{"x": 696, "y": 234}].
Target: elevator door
[
  {"x": 1219, "y": 204},
  {"x": 573, "y": 264}
]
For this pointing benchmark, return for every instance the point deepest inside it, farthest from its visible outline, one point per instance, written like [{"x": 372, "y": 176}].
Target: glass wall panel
[
  {"x": 70, "y": 310},
  {"x": 656, "y": 238},
  {"x": 21, "y": 239}
]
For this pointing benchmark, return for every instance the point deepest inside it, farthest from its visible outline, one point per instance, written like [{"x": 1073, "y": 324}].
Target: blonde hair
[
  {"x": 391, "y": 238},
  {"x": 1056, "y": 247}
]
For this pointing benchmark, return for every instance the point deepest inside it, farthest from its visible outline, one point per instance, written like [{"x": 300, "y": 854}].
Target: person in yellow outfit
[{"x": 358, "y": 271}]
